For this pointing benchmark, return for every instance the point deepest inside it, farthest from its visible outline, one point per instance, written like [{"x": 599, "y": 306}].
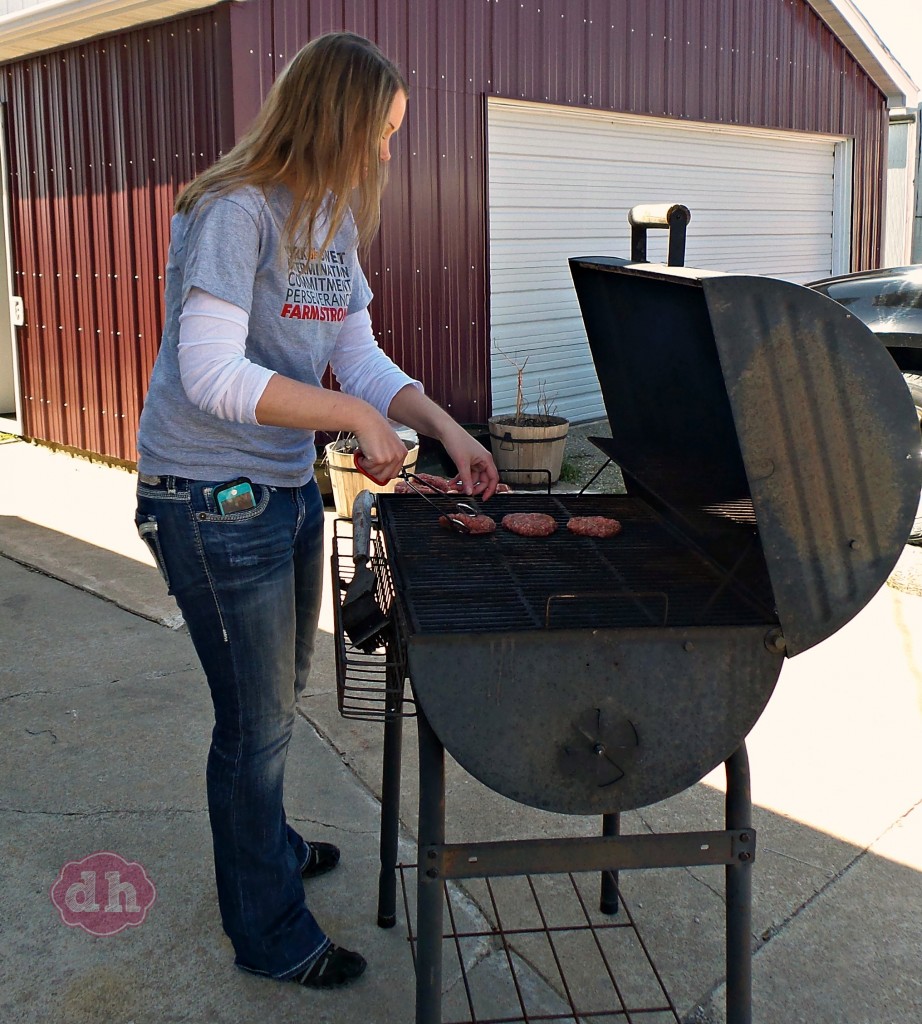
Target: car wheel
[{"x": 914, "y": 383}]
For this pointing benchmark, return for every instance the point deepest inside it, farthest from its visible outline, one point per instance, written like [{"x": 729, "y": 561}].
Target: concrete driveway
[{"x": 104, "y": 732}]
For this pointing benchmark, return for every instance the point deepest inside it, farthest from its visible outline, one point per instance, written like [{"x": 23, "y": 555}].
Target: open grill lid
[{"x": 721, "y": 388}]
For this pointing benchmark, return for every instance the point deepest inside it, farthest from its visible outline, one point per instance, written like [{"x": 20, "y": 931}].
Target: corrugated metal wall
[
  {"x": 100, "y": 136},
  {"x": 771, "y": 63}
]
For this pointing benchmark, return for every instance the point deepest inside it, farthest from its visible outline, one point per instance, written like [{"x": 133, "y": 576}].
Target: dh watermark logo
[{"x": 103, "y": 894}]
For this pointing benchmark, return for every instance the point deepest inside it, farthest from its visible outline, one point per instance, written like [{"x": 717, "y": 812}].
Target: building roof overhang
[
  {"x": 49, "y": 24},
  {"x": 855, "y": 32}
]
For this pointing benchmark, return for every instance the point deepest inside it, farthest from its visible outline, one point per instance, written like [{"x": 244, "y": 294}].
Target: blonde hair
[{"x": 319, "y": 132}]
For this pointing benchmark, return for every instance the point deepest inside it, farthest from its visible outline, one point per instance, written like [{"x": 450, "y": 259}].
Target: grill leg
[
  {"x": 608, "y": 900},
  {"x": 390, "y": 808},
  {"x": 739, "y": 895},
  {"x": 429, "y": 887}
]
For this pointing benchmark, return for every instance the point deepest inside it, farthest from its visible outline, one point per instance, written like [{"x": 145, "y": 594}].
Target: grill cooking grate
[{"x": 646, "y": 576}]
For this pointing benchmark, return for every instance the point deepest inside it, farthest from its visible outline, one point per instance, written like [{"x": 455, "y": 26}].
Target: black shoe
[
  {"x": 334, "y": 967},
  {"x": 323, "y": 858}
]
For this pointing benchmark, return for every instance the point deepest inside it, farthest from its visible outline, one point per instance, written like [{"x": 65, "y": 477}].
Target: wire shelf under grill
[
  {"x": 595, "y": 968},
  {"x": 645, "y": 576},
  {"x": 369, "y": 686}
]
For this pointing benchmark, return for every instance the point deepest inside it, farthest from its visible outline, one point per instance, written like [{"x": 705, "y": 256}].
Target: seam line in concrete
[
  {"x": 770, "y": 933},
  {"x": 166, "y": 623},
  {"x": 103, "y": 812}
]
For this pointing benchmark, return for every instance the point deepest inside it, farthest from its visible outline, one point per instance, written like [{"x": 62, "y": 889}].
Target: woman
[{"x": 263, "y": 292}]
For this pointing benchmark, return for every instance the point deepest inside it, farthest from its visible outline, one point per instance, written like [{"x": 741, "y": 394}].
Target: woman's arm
[
  {"x": 289, "y": 403},
  {"x": 363, "y": 369},
  {"x": 218, "y": 378},
  {"x": 476, "y": 469}
]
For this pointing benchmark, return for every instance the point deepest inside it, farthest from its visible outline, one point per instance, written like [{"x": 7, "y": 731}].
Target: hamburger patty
[
  {"x": 474, "y": 524},
  {"x": 529, "y": 524},
  {"x": 594, "y": 526}
]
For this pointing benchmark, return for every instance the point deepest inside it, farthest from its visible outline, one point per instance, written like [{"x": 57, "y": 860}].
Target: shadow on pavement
[{"x": 105, "y": 727}]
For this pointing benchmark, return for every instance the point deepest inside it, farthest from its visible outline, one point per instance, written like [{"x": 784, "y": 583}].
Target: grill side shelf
[{"x": 369, "y": 687}]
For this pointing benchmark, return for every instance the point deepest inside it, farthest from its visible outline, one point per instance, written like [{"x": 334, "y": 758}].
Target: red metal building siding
[
  {"x": 428, "y": 266},
  {"x": 770, "y": 64},
  {"x": 100, "y": 136}
]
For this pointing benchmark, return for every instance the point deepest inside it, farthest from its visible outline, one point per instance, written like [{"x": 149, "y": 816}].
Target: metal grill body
[
  {"x": 771, "y": 458},
  {"x": 574, "y": 674},
  {"x": 724, "y": 388}
]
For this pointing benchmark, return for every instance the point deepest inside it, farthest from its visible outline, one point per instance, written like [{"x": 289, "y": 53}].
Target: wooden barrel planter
[
  {"x": 529, "y": 453},
  {"x": 347, "y": 481}
]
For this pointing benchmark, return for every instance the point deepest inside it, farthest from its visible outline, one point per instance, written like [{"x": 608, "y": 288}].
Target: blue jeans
[{"x": 249, "y": 587}]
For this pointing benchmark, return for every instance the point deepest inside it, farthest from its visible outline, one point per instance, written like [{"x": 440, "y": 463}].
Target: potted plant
[{"x": 528, "y": 447}]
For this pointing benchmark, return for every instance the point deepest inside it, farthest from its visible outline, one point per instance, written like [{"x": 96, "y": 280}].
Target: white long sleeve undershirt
[
  {"x": 215, "y": 372},
  {"x": 218, "y": 377}
]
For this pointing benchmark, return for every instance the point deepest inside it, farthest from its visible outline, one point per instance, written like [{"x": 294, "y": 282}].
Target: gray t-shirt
[{"x": 231, "y": 247}]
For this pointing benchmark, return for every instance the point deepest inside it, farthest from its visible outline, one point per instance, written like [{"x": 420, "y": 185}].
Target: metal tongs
[{"x": 461, "y": 507}]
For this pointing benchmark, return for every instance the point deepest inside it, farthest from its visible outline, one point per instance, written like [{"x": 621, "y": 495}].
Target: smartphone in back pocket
[{"x": 235, "y": 496}]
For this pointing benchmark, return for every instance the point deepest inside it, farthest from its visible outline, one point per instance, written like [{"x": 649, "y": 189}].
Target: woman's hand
[
  {"x": 383, "y": 452},
  {"x": 477, "y": 471}
]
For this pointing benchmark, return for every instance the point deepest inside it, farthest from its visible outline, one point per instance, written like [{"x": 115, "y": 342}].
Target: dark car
[{"x": 890, "y": 303}]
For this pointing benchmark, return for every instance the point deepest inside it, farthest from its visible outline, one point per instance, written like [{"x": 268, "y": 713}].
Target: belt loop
[{"x": 171, "y": 484}]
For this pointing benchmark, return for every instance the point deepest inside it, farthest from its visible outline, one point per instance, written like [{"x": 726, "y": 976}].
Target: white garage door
[{"x": 561, "y": 183}]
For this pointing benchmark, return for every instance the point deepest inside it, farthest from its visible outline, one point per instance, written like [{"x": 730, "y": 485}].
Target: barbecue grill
[{"x": 770, "y": 453}]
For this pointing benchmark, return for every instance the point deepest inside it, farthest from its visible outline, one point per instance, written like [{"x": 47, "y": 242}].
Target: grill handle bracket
[{"x": 672, "y": 216}]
